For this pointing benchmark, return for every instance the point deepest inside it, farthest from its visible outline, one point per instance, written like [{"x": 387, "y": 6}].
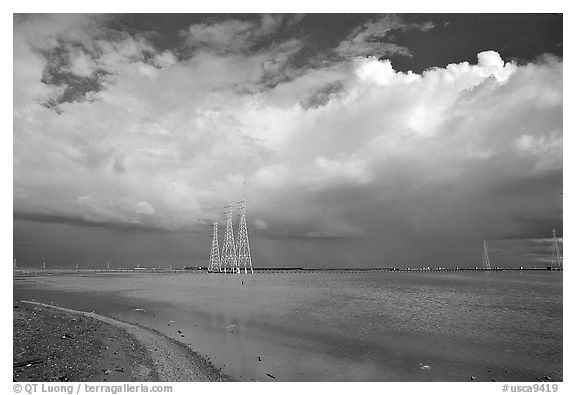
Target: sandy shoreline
[{"x": 71, "y": 345}]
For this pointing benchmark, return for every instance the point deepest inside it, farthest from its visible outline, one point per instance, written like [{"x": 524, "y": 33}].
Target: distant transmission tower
[
  {"x": 228, "y": 257},
  {"x": 557, "y": 260},
  {"x": 244, "y": 258},
  {"x": 486, "y": 258},
  {"x": 214, "y": 264}
]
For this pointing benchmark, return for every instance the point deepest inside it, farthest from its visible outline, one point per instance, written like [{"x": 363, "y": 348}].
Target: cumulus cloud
[{"x": 342, "y": 150}]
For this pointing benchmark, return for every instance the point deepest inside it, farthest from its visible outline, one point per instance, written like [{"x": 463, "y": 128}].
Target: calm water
[{"x": 340, "y": 327}]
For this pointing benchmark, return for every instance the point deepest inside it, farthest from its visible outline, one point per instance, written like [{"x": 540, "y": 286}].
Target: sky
[{"x": 357, "y": 140}]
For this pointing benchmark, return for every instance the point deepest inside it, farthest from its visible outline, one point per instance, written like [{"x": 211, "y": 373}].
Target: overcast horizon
[{"x": 357, "y": 140}]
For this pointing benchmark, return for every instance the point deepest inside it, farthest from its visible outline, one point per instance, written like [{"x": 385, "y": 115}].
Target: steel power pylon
[
  {"x": 214, "y": 263},
  {"x": 228, "y": 257},
  {"x": 244, "y": 258},
  {"x": 557, "y": 259},
  {"x": 486, "y": 258}
]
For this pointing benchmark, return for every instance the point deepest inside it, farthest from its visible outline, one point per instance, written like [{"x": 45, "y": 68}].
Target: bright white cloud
[{"x": 166, "y": 142}]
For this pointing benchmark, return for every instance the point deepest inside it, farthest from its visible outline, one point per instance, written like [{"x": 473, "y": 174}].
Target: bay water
[{"x": 391, "y": 326}]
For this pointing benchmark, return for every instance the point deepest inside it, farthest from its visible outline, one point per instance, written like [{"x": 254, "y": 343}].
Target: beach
[
  {"x": 499, "y": 326},
  {"x": 52, "y": 343}
]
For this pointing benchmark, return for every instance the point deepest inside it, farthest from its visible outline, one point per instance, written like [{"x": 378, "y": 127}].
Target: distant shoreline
[
  {"x": 80, "y": 271},
  {"x": 160, "y": 358}
]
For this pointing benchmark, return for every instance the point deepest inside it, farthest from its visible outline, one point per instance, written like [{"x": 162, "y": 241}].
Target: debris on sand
[{"x": 28, "y": 363}]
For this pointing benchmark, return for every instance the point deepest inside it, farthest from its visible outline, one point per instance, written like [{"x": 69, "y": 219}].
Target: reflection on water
[{"x": 353, "y": 327}]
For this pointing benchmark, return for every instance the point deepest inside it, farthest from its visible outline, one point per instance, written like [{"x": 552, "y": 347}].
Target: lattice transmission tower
[
  {"x": 214, "y": 263},
  {"x": 486, "y": 258},
  {"x": 244, "y": 258},
  {"x": 557, "y": 260},
  {"x": 228, "y": 257}
]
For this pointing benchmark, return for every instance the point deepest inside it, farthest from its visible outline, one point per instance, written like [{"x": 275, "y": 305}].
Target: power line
[
  {"x": 214, "y": 263},
  {"x": 244, "y": 258},
  {"x": 229, "y": 259},
  {"x": 486, "y": 258}
]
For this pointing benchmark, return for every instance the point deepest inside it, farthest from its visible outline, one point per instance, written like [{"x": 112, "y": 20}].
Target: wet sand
[{"x": 52, "y": 343}]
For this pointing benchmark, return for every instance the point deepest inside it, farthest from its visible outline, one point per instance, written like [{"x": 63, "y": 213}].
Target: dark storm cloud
[
  {"x": 78, "y": 222},
  {"x": 66, "y": 244},
  {"x": 342, "y": 158}
]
